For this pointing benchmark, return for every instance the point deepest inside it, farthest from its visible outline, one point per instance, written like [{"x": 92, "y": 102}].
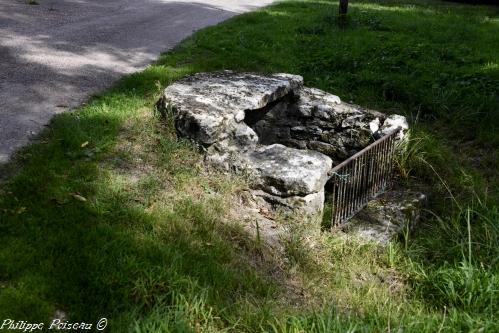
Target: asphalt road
[{"x": 56, "y": 54}]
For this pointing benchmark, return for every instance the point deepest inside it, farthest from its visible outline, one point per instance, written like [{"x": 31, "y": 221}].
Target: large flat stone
[
  {"x": 208, "y": 106},
  {"x": 392, "y": 213},
  {"x": 289, "y": 172}
]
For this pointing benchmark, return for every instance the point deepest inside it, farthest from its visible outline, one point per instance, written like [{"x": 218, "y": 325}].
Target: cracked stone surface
[
  {"x": 286, "y": 172},
  {"x": 389, "y": 215},
  {"x": 210, "y": 107}
]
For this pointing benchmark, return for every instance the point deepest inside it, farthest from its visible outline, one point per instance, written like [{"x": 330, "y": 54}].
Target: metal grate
[{"x": 362, "y": 177}]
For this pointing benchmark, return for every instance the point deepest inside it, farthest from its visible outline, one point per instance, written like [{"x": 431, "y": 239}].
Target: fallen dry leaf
[{"x": 78, "y": 197}]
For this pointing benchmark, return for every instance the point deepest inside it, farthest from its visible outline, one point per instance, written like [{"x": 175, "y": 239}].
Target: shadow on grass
[
  {"x": 77, "y": 238},
  {"x": 117, "y": 255}
]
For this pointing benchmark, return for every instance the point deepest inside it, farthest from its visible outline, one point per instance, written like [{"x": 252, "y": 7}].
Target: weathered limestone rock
[
  {"x": 309, "y": 205},
  {"x": 393, "y": 121},
  {"x": 387, "y": 216},
  {"x": 313, "y": 119},
  {"x": 286, "y": 136},
  {"x": 286, "y": 172},
  {"x": 209, "y": 106}
]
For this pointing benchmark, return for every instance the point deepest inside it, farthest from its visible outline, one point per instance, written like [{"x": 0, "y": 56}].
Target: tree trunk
[{"x": 343, "y": 7}]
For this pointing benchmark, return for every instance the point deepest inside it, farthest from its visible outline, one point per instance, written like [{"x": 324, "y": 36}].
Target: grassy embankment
[{"x": 110, "y": 215}]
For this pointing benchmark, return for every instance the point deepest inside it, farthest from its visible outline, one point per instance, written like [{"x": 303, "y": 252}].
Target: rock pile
[{"x": 286, "y": 136}]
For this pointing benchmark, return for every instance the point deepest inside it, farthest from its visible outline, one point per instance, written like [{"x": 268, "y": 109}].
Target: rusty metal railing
[{"x": 362, "y": 177}]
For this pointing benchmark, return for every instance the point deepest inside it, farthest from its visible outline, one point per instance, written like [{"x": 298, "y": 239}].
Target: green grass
[{"x": 110, "y": 215}]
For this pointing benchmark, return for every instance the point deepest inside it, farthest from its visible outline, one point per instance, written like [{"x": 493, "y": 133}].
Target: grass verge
[{"x": 110, "y": 215}]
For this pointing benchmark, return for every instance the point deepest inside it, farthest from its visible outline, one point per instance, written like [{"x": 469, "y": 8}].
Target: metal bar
[
  {"x": 360, "y": 167},
  {"x": 340, "y": 199},
  {"x": 345, "y": 197},
  {"x": 358, "y": 185},
  {"x": 351, "y": 194},
  {"x": 386, "y": 164},
  {"x": 386, "y": 161},
  {"x": 333, "y": 205},
  {"x": 364, "y": 176},
  {"x": 374, "y": 158},
  {"x": 358, "y": 178},
  {"x": 380, "y": 161},
  {"x": 373, "y": 153}
]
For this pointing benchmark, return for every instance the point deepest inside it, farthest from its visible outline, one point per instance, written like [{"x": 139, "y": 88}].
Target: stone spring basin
[{"x": 285, "y": 135}]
